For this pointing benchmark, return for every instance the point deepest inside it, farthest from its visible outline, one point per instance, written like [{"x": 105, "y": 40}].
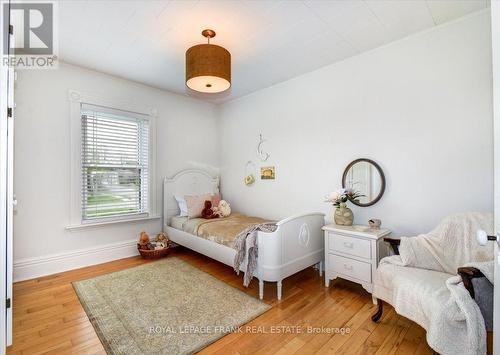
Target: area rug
[{"x": 165, "y": 307}]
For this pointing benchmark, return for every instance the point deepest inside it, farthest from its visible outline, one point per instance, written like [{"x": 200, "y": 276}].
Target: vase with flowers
[{"x": 343, "y": 215}]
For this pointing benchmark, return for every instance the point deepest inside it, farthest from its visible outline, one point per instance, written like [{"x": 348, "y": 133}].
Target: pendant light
[{"x": 208, "y": 66}]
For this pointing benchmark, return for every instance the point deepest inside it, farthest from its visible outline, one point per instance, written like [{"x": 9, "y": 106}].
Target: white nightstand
[{"x": 353, "y": 253}]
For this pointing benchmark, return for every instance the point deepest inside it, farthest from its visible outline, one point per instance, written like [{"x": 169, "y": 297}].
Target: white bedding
[{"x": 177, "y": 222}]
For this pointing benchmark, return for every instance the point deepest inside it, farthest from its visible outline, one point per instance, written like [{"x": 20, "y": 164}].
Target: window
[{"x": 114, "y": 163}]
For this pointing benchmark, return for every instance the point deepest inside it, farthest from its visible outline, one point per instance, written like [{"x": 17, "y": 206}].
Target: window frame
[
  {"x": 142, "y": 207},
  {"x": 76, "y": 216}
]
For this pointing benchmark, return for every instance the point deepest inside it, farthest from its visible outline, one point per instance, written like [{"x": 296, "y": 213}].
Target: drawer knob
[
  {"x": 348, "y": 267},
  {"x": 348, "y": 245}
]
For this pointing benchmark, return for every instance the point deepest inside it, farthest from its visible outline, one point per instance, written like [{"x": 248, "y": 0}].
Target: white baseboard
[{"x": 30, "y": 268}]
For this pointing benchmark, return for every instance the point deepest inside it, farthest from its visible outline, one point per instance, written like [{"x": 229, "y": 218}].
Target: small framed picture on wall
[{"x": 267, "y": 173}]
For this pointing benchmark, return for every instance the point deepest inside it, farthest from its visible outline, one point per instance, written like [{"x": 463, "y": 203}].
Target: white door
[
  {"x": 10, "y": 204},
  {"x": 495, "y": 39},
  {"x": 6, "y": 192},
  {"x": 3, "y": 205}
]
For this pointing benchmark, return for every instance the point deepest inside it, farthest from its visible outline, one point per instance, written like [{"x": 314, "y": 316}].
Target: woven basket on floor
[{"x": 153, "y": 254}]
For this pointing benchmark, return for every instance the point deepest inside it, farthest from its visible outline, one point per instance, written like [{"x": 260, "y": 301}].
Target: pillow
[
  {"x": 182, "y": 206},
  {"x": 215, "y": 200},
  {"x": 196, "y": 204}
]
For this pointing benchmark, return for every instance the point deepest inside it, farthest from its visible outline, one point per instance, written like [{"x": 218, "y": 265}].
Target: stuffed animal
[
  {"x": 207, "y": 212},
  {"x": 162, "y": 237},
  {"x": 162, "y": 241},
  {"x": 159, "y": 245},
  {"x": 144, "y": 241},
  {"x": 224, "y": 209}
]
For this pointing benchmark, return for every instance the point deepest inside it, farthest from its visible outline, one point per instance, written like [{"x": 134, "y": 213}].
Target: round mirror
[{"x": 367, "y": 178}]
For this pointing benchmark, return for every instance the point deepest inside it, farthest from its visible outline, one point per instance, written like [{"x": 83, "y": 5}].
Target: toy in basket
[{"x": 153, "y": 249}]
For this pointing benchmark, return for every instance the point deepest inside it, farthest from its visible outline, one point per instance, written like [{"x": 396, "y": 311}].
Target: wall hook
[{"x": 260, "y": 152}]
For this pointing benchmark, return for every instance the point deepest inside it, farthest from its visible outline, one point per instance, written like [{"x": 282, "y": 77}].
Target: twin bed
[{"x": 296, "y": 244}]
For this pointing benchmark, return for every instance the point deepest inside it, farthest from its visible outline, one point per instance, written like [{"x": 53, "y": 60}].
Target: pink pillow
[
  {"x": 215, "y": 200},
  {"x": 196, "y": 204}
]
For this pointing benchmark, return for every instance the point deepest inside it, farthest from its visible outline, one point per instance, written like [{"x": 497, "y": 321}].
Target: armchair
[{"x": 475, "y": 282}]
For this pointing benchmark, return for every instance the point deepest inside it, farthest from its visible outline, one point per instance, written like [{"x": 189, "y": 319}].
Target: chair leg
[
  {"x": 380, "y": 309},
  {"x": 489, "y": 342},
  {"x": 261, "y": 289},
  {"x": 279, "y": 287}
]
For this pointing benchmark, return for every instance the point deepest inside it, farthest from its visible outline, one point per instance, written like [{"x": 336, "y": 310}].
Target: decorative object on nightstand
[
  {"x": 353, "y": 253},
  {"x": 375, "y": 223},
  {"x": 342, "y": 215}
]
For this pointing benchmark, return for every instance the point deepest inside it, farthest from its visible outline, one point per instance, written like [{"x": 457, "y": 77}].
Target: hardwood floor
[{"x": 48, "y": 318}]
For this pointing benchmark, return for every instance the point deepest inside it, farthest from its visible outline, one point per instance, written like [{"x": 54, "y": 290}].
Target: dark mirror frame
[{"x": 382, "y": 177}]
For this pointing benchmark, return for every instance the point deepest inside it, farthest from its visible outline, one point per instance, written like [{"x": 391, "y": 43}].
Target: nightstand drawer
[
  {"x": 349, "y": 245},
  {"x": 349, "y": 267}
]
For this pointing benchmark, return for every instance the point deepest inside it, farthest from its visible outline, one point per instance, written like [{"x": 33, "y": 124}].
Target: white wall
[
  {"x": 421, "y": 107},
  {"x": 186, "y": 129}
]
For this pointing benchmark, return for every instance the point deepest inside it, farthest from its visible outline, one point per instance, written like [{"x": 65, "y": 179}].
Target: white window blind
[{"x": 115, "y": 163}]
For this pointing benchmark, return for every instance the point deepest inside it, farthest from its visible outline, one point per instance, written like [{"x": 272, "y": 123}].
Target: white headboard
[{"x": 185, "y": 182}]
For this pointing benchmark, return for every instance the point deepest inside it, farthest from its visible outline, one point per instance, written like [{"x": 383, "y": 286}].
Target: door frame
[
  {"x": 495, "y": 47},
  {"x": 10, "y": 205},
  {"x": 3, "y": 194},
  {"x": 6, "y": 186},
  {"x": 3, "y": 209}
]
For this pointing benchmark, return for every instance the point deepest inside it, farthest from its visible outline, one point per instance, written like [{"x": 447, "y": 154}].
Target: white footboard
[{"x": 297, "y": 244}]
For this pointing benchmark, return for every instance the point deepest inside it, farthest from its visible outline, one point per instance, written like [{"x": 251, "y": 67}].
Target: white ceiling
[{"x": 270, "y": 40}]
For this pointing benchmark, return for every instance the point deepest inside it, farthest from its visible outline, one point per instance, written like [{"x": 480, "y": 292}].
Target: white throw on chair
[{"x": 422, "y": 282}]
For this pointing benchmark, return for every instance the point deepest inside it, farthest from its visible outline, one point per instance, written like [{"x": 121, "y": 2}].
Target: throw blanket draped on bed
[
  {"x": 247, "y": 240},
  {"x": 224, "y": 230},
  {"x": 455, "y": 325},
  {"x": 237, "y": 232}
]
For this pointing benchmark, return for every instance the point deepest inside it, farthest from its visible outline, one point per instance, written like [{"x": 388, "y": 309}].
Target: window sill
[{"x": 107, "y": 223}]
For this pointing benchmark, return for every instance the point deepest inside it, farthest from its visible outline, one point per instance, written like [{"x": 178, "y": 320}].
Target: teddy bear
[
  {"x": 208, "y": 212},
  {"x": 223, "y": 210},
  {"x": 162, "y": 237},
  {"x": 162, "y": 241},
  {"x": 144, "y": 241}
]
